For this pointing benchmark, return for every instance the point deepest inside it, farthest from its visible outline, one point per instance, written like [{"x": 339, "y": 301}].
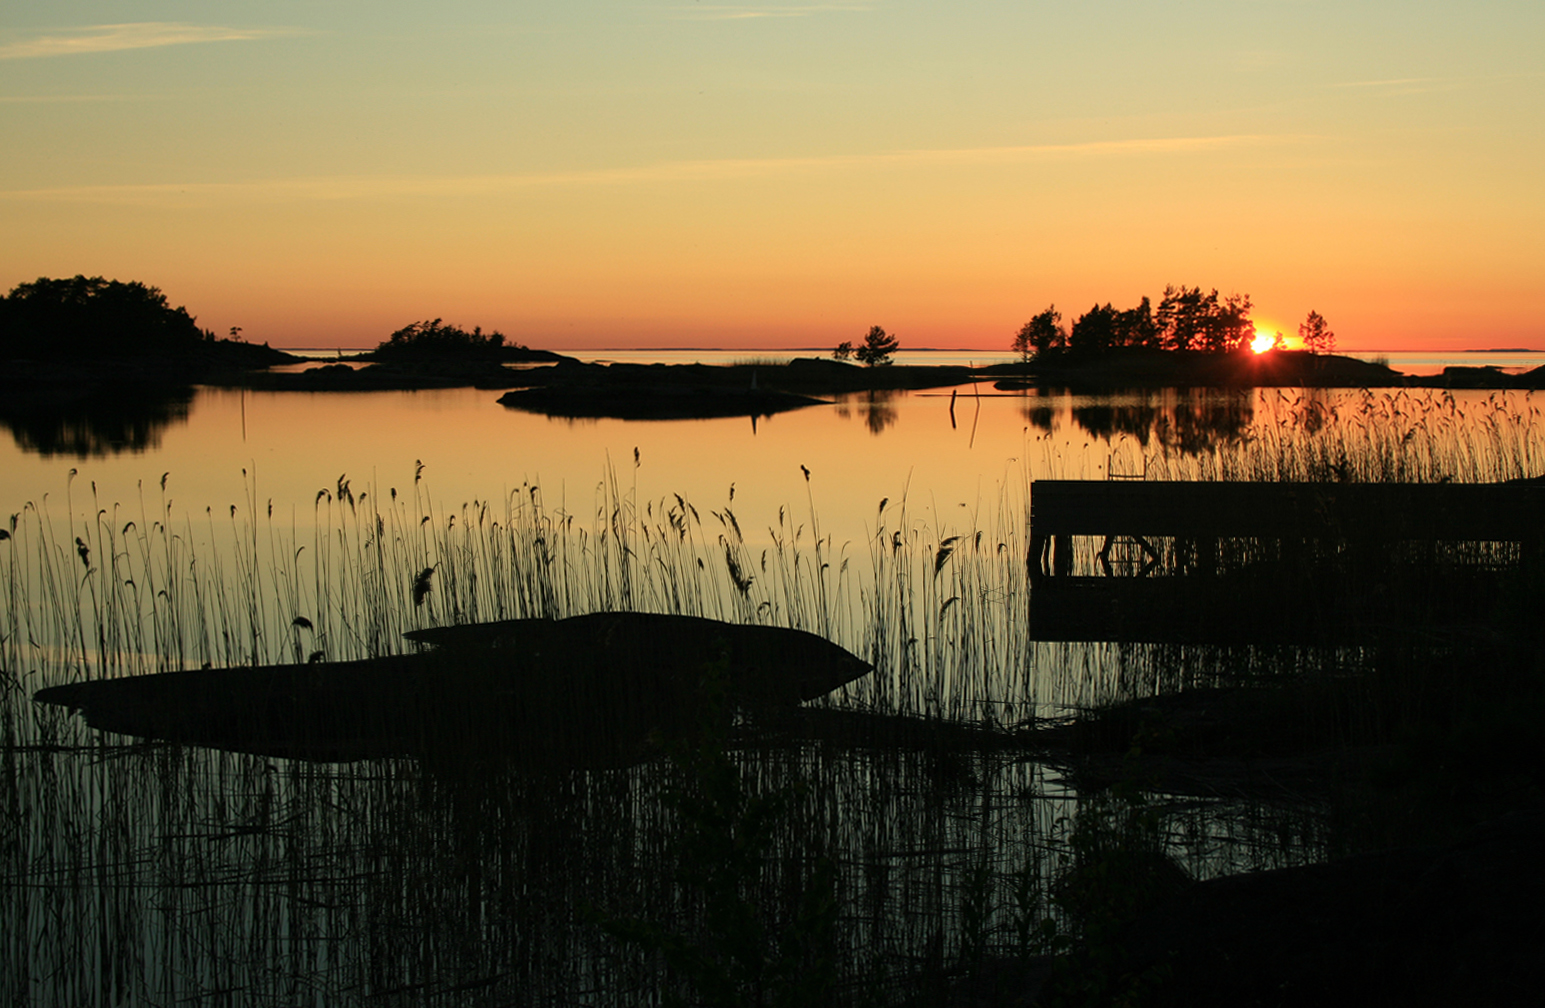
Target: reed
[
  {"x": 1397, "y": 436},
  {"x": 184, "y": 874},
  {"x": 181, "y": 873}
]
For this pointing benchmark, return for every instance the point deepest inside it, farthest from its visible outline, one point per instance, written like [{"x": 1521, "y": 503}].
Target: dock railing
[{"x": 1237, "y": 561}]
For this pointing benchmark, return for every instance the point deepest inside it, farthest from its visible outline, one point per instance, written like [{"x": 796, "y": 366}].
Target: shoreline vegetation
[
  {"x": 1405, "y": 771},
  {"x": 553, "y": 384},
  {"x": 71, "y": 341}
]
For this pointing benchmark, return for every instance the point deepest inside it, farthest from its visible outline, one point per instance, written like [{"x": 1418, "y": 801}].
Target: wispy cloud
[
  {"x": 137, "y": 35},
  {"x": 1394, "y": 82},
  {"x": 71, "y": 99},
  {"x": 1395, "y": 86},
  {"x": 378, "y": 187},
  {"x": 1392, "y": 86},
  {"x": 741, "y": 12}
]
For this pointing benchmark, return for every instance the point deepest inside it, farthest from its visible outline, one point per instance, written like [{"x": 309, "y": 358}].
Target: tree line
[
  {"x": 93, "y": 317},
  {"x": 83, "y": 317},
  {"x": 1185, "y": 319}
]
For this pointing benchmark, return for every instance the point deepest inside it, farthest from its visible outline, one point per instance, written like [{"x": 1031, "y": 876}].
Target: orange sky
[{"x": 615, "y": 174}]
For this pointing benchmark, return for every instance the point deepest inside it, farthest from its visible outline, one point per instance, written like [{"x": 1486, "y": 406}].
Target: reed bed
[
  {"x": 109, "y": 590},
  {"x": 141, "y": 873},
  {"x": 1392, "y": 436},
  {"x": 145, "y": 873}
]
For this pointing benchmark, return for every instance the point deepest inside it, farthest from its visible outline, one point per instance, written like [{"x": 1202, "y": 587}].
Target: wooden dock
[{"x": 1279, "y": 562}]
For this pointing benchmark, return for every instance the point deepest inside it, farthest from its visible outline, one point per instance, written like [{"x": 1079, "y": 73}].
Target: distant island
[
  {"x": 85, "y": 340},
  {"x": 435, "y": 341}
]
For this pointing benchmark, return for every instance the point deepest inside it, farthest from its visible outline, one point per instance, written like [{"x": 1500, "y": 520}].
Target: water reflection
[
  {"x": 877, "y": 407},
  {"x": 1184, "y": 420},
  {"x": 108, "y": 422},
  {"x": 1105, "y": 420}
]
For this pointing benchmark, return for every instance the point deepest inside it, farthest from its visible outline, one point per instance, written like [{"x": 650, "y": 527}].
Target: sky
[{"x": 619, "y": 173}]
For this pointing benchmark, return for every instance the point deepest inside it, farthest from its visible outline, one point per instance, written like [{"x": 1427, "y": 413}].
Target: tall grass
[
  {"x": 135, "y": 873},
  {"x": 109, "y": 590},
  {"x": 141, "y": 873},
  {"x": 145, "y": 873},
  {"x": 1393, "y": 436}
]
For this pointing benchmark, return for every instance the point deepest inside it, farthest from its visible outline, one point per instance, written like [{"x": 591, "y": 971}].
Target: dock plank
[
  {"x": 1452, "y": 511},
  {"x": 1304, "y": 562}
]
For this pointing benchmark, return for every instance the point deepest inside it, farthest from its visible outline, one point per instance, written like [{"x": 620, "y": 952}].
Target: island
[{"x": 80, "y": 344}]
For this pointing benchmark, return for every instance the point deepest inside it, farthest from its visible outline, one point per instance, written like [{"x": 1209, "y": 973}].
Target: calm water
[{"x": 950, "y": 454}]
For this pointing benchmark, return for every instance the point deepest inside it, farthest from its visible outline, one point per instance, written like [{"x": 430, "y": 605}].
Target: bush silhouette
[{"x": 433, "y": 338}]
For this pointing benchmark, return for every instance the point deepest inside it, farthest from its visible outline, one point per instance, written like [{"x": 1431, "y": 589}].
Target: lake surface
[
  {"x": 802, "y": 519},
  {"x": 952, "y": 455}
]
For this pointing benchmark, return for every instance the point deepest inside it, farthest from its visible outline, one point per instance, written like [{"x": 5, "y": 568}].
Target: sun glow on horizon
[
  {"x": 1266, "y": 340},
  {"x": 732, "y": 176}
]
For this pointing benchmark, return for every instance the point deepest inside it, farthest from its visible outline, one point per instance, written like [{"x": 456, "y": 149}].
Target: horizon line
[{"x": 928, "y": 349}]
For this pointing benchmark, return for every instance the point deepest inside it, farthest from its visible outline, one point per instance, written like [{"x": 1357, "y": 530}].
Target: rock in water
[
  {"x": 759, "y": 664},
  {"x": 586, "y": 691}
]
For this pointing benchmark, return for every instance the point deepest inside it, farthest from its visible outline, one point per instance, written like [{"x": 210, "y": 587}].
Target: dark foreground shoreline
[{"x": 1434, "y": 925}]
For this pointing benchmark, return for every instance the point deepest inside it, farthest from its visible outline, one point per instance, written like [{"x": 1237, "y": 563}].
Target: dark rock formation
[{"x": 586, "y": 691}]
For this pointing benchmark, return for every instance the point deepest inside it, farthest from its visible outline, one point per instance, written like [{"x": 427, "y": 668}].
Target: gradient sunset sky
[{"x": 611, "y": 173}]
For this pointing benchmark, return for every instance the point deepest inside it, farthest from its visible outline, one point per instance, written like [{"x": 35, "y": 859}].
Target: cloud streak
[
  {"x": 738, "y": 12},
  {"x": 380, "y": 187},
  {"x": 70, "y": 99},
  {"x": 1422, "y": 85},
  {"x": 136, "y": 35}
]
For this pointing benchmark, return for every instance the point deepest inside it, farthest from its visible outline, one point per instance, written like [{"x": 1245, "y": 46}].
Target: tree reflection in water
[
  {"x": 99, "y": 425},
  {"x": 875, "y": 406},
  {"x": 1186, "y": 420}
]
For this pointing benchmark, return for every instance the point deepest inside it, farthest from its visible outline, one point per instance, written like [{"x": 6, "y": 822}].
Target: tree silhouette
[
  {"x": 93, "y": 317},
  {"x": 1181, "y": 317},
  {"x": 844, "y": 350},
  {"x": 1040, "y": 334},
  {"x": 878, "y": 347},
  {"x": 1137, "y": 327},
  {"x": 1230, "y": 327},
  {"x": 1187, "y": 319},
  {"x": 1094, "y": 332},
  {"x": 1316, "y": 334},
  {"x": 435, "y": 338},
  {"x": 1103, "y": 327}
]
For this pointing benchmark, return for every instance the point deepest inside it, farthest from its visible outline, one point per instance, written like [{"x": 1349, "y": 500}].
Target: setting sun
[{"x": 1265, "y": 341}]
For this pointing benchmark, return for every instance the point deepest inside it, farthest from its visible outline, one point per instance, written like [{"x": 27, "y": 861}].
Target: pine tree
[
  {"x": 1316, "y": 334},
  {"x": 878, "y": 347}
]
